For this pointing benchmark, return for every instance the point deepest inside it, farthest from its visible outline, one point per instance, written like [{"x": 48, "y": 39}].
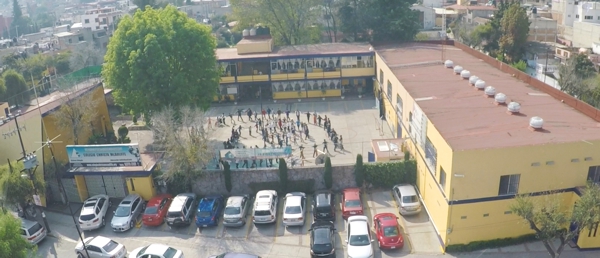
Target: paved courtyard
[{"x": 356, "y": 120}]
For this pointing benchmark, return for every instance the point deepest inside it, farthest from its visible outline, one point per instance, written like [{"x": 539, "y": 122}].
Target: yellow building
[
  {"x": 478, "y": 145},
  {"x": 255, "y": 69}
]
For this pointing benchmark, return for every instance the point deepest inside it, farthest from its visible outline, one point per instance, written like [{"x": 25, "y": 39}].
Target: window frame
[
  {"x": 443, "y": 178},
  {"x": 389, "y": 90},
  {"x": 430, "y": 161},
  {"x": 511, "y": 180}
]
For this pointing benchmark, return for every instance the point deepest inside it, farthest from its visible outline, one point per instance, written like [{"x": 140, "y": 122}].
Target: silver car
[
  {"x": 32, "y": 231},
  {"x": 407, "y": 199},
  {"x": 128, "y": 213},
  {"x": 294, "y": 209},
  {"x": 234, "y": 214}
]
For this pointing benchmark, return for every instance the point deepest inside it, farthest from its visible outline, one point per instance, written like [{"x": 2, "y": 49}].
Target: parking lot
[{"x": 272, "y": 240}]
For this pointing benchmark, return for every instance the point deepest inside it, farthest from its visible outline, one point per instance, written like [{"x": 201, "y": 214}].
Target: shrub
[
  {"x": 494, "y": 243},
  {"x": 359, "y": 171},
  {"x": 328, "y": 174},
  {"x": 388, "y": 174},
  {"x": 227, "y": 174},
  {"x": 283, "y": 174},
  {"x": 306, "y": 186},
  {"x": 122, "y": 132}
]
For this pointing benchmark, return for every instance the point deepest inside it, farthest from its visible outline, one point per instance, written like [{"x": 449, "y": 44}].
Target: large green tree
[
  {"x": 489, "y": 34},
  {"x": 15, "y": 188},
  {"x": 16, "y": 88},
  {"x": 11, "y": 242},
  {"x": 291, "y": 22},
  {"x": 158, "y": 58},
  {"x": 20, "y": 24},
  {"x": 515, "y": 30},
  {"x": 577, "y": 76}
]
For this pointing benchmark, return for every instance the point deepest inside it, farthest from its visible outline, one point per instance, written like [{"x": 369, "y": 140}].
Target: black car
[
  {"x": 322, "y": 239},
  {"x": 323, "y": 207}
]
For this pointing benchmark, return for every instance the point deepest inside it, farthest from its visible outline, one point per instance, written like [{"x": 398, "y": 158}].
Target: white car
[
  {"x": 359, "y": 237},
  {"x": 100, "y": 247},
  {"x": 294, "y": 209},
  {"x": 156, "y": 251},
  {"x": 93, "y": 212},
  {"x": 265, "y": 207}
]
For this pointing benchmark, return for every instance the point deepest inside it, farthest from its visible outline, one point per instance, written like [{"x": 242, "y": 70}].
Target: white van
[{"x": 265, "y": 207}]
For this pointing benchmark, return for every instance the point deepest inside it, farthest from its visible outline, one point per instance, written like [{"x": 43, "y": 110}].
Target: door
[
  {"x": 94, "y": 185},
  {"x": 113, "y": 186}
]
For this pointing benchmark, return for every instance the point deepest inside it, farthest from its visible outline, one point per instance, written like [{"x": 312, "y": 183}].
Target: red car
[
  {"x": 156, "y": 209},
  {"x": 351, "y": 203},
  {"x": 388, "y": 231}
]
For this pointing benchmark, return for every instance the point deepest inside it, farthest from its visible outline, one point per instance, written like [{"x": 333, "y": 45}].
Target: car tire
[
  {"x": 80, "y": 255},
  {"x": 103, "y": 222},
  {"x": 131, "y": 224},
  {"x": 379, "y": 245}
]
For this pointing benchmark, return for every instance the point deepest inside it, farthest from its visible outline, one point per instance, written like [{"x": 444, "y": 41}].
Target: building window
[
  {"x": 594, "y": 174},
  {"x": 576, "y": 16},
  {"x": 593, "y": 230},
  {"x": 389, "y": 90},
  {"x": 442, "y": 178},
  {"x": 509, "y": 184},
  {"x": 380, "y": 76},
  {"x": 430, "y": 156},
  {"x": 588, "y": 17},
  {"x": 80, "y": 38},
  {"x": 399, "y": 105},
  {"x": 87, "y": 21},
  {"x": 70, "y": 40}
]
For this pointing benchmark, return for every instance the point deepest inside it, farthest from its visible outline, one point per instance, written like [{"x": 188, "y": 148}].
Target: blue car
[{"x": 209, "y": 211}]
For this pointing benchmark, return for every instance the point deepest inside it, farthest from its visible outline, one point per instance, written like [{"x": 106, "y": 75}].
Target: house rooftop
[
  {"x": 224, "y": 54},
  {"x": 469, "y": 120},
  {"x": 63, "y": 34}
]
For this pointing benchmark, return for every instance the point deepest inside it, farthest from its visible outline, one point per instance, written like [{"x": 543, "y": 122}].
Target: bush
[
  {"x": 306, "y": 186},
  {"x": 227, "y": 174},
  {"x": 494, "y": 243},
  {"x": 283, "y": 174},
  {"x": 328, "y": 174},
  {"x": 359, "y": 171},
  {"x": 388, "y": 174}
]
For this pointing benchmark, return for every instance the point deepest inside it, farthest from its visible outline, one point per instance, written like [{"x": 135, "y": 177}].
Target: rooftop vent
[
  {"x": 473, "y": 79},
  {"x": 449, "y": 64},
  {"x": 458, "y": 69},
  {"x": 536, "y": 123},
  {"x": 246, "y": 33},
  {"x": 500, "y": 98},
  {"x": 514, "y": 107},
  {"x": 480, "y": 84},
  {"x": 465, "y": 74},
  {"x": 490, "y": 91}
]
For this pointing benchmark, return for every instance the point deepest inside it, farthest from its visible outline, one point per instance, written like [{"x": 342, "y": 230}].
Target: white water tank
[
  {"x": 253, "y": 32},
  {"x": 490, "y": 91},
  {"x": 245, "y": 33},
  {"x": 473, "y": 79},
  {"x": 514, "y": 107},
  {"x": 458, "y": 69},
  {"x": 480, "y": 84},
  {"x": 500, "y": 98},
  {"x": 536, "y": 122},
  {"x": 465, "y": 74},
  {"x": 449, "y": 64}
]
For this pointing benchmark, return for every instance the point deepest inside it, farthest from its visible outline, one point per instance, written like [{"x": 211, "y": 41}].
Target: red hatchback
[
  {"x": 388, "y": 231},
  {"x": 351, "y": 203},
  {"x": 156, "y": 209}
]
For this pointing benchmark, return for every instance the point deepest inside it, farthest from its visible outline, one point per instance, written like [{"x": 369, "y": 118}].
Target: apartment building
[{"x": 101, "y": 18}]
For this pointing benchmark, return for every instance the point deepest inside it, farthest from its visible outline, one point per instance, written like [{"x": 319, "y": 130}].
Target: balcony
[{"x": 357, "y": 72}]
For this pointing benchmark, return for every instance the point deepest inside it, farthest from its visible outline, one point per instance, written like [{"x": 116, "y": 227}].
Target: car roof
[
  {"x": 359, "y": 225},
  {"x": 323, "y": 199},
  {"x": 99, "y": 241},
  {"x": 155, "y": 201},
  {"x": 406, "y": 189},
  {"x": 352, "y": 193},
  {"x": 293, "y": 200},
  {"x": 178, "y": 202},
  {"x": 239, "y": 255},
  {"x": 128, "y": 200},
  {"x": 156, "y": 249},
  {"x": 235, "y": 201},
  {"x": 387, "y": 219},
  {"x": 207, "y": 203},
  {"x": 25, "y": 223}
]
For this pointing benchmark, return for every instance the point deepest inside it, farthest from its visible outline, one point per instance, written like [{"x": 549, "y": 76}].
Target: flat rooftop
[
  {"x": 469, "y": 120},
  {"x": 299, "y": 50}
]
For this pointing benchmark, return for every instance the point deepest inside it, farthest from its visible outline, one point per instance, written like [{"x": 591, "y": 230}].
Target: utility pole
[{"x": 30, "y": 164}]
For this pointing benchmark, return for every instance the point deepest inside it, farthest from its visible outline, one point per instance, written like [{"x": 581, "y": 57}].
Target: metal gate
[{"x": 113, "y": 186}]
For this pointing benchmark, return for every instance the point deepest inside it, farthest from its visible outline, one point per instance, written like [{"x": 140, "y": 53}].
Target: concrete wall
[
  {"x": 214, "y": 182},
  {"x": 585, "y": 34}
]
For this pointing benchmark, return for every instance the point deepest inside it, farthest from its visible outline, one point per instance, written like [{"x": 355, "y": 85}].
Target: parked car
[
  {"x": 323, "y": 207},
  {"x": 156, "y": 210},
  {"x": 294, "y": 209},
  {"x": 93, "y": 212},
  {"x": 234, "y": 255},
  {"x": 32, "y": 231},
  {"x": 407, "y": 199},
  {"x": 100, "y": 247},
  {"x": 127, "y": 213},
  {"x": 387, "y": 231},
  {"x": 351, "y": 203},
  {"x": 234, "y": 214},
  {"x": 322, "y": 239},
  {"x": 209, "y": 211},
  {"x": 181, "y": 209},
  {"x": 156, "y": 251},
  {"x": 359, "y": 237},
  {"x": 265, "y": 207}
]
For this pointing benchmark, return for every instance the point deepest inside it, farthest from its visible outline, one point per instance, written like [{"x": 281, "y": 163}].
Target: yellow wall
[
  {"x": 253, "y": 78},
  {"x": 263, "y": 46},
  {"x": 31, "y": 133},
  {"x": 227, "y": 79},
  {"x": 289, "y": 95},
  {"x": 144, "y": 186},
  {"x": 355, "y": 72},
  {"x": 81, "y": 187},
  {"x": 328, "y": 93}
]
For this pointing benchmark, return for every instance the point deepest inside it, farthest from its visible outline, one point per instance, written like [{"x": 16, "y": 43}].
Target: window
[
  {"x": 430, "y": 156},
  {"x": 442, "y": 178},
  {"x": 80, "y": 38},
  {"x": 399, "y": 105},
  {"x": 389, "y": 90},
  {"x": 70, "y": 40},
  {"x": 594, "y": 174},
  {"x": 588, "y": 17},
  {"x": 87, "y": 21},
  {"x": 576, "y": 16},
  {"x": 380, "y": 76},
  {"x": 509, "y": 184}
]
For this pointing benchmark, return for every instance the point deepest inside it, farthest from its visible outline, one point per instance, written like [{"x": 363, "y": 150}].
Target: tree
[
  {"x": 186, "y": 74},
  {"x": 16, "y": 189},
  {"x": 75, "y": 114},
  {"x": 359, "y": 171},
  {"x": 2, "y": 88},
  {"x": 16, "y": 88},
  {"x": 227, "y": 174},
  {"x": 576, "y": 76},
  {"x": 283, "y": 175},
  {"x": 122, "y": 132},
  {"x": 290, "y": 22},
  {"x": 550, "y": 221},
  {"x": 143, "y": 3},
  {"x": 328, "y": 174},
  {"x": 491, "y": 32},
  {"x": 84, "y": 55},
  {"x": 20, "y": 24},
  {"x": 187, "y": 146},
  {"x": 515, "y": 30},
  {"x": 331, "y": 20},
  {"x": 13, "y": 245}
]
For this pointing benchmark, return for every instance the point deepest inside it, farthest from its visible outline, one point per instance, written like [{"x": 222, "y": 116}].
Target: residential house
[{"x": 101, "y": 18}]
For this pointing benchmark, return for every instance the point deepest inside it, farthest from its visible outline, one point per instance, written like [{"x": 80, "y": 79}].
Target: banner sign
[
  {"x": 108, "y": 155},
  {"x": 256, "y": 153}
]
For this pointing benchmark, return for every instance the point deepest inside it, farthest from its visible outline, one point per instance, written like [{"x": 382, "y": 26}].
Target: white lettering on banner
[{"x": 113, "y": 155}]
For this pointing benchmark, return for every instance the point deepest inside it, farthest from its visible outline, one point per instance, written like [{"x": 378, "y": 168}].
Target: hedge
[
  {"x": 306, "y": 186},
  {"x": 388, "y": 174},
  {"x": 494, "y": 243}
]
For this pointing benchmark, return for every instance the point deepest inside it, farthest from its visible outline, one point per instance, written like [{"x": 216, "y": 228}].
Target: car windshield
[
  {"x": 293, "y": 210},
  {"x": 170, "y": 253},
  {"x": 151, "y": 210},
  {"x": 34, "y": 229},
  {"x": 322, "y": 236},
  {"x": 410, "y": 199},
  {"x": 323, "y": 209},
  {"x": 359, "y": 240},
  {"x": 390, "y": 231},
  {"x": 232, "y": 210},
  {"x": 110, "y": 246},
  {"x": 87, "y": 217},
  {"x": 203, "y": 214},
  {"x": 122, "y": 211},
  {"x": 353, "y": 203}
]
